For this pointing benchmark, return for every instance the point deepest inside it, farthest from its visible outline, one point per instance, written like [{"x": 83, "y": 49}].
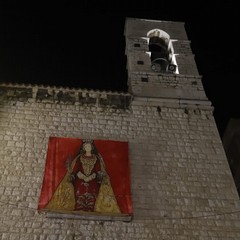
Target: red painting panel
[{"x": 86, "y": 176}]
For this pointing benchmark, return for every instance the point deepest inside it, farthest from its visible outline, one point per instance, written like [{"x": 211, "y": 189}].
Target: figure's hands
[
  {"x": 80, "y": 175},
  {"x": 86, "y": 178}
]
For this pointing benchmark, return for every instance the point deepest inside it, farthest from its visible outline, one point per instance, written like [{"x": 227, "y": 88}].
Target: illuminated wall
[{"x": 181, "y": 183}]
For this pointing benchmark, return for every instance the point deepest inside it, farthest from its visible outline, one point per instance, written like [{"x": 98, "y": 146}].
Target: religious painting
[{"x": 86, "y": 177}]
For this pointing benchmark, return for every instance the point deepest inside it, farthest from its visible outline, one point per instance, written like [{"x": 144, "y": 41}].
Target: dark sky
[{"x": 81, "y": 44}]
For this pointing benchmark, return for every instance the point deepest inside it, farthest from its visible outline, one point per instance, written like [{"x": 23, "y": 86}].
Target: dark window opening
[
  {"x": 160, "y": 56},
  {"x": 233, "y": 154},
  {"x": 140, "y": 62},
  {"x": 137, "y": 45},
  {"x": 144, "y": 79},
  {"x": 158, "y": 45}
]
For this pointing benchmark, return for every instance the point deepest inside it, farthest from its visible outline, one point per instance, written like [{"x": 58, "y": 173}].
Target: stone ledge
[
  {"x": 89, "y": 216},
  {"x": 90, "y": 97},
  {"x": 65, "y": 96},
  {"x": 174, "y": 103}
]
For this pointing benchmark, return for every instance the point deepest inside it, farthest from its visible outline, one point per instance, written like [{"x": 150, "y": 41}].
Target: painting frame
[{"x": 86, "y": 179}]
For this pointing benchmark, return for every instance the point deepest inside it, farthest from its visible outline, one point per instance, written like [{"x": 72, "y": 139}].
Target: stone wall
[{"x": 181, "y": 183}]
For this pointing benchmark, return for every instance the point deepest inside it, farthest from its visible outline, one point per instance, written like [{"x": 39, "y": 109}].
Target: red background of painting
[{"x": 116, "y": 158}]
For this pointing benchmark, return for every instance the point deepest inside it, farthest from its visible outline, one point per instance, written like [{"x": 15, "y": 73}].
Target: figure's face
[{"x": 87, "y": 147}]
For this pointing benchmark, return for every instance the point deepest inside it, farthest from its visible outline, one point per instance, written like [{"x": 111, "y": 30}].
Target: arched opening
[{"x": 161, "y": 52}]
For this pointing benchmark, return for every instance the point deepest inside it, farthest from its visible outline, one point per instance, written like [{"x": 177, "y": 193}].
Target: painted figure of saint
[
  {"x": 86, "y": 185},
  {"x": 87, "y": 176}
]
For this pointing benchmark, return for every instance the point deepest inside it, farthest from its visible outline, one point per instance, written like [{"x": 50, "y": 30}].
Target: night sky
[{"x": 81, "y": 44}]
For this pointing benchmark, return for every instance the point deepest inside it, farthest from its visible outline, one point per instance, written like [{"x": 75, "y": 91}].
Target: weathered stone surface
[
  {"x": 116, "y": 101},
  {"x": 87, "y": 98},
  {"x": 21, "y": 94}
]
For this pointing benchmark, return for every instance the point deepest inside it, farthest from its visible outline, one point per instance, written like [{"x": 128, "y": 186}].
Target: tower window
[
  {"x": 140, "y": 62},
  {"x": 144, "y": 79},
  {"x": 137, "y": 45},
  {"x": 161, "y": 52}
]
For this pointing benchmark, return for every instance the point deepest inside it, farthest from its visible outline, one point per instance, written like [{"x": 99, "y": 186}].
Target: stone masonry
[{"x": 181, "y": 183}]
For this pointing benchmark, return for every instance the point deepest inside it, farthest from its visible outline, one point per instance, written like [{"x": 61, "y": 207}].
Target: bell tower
[{"x": 160, "y": 62}]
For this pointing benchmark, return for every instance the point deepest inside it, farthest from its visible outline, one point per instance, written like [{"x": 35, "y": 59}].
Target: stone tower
[
  {"x": 160, "y": 62},
  {"x": 181, "y": 184}
]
